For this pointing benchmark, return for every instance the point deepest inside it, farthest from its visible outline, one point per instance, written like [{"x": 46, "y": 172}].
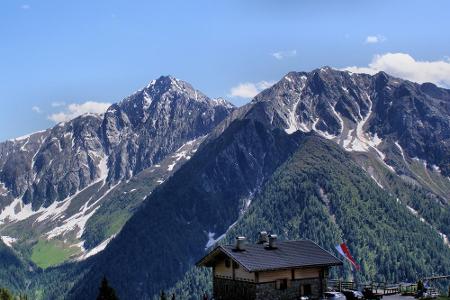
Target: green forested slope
[
  {"x": 322, "y": 195},
  {"x": 13, "y": 271}
]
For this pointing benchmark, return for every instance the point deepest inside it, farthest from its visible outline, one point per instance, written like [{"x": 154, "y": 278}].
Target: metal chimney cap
[
  {"x": 272, "y": 241},
  {"x": 263, "y": 237}
]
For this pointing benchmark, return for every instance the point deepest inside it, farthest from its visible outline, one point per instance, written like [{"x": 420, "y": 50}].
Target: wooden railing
[{"x": 382, "y": 288}]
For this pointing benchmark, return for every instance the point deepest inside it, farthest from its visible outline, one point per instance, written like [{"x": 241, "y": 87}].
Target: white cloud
[
  {"x": 36, "y": 109},
  {"x": 405, "y": 66},
  {"x": 249, "y": 89},
  {"x": 25, "y": 6},
  {"x": 74, "y": 110},
  {"x": 374, "y": 39},
  {"x": 284, "y": 54}
]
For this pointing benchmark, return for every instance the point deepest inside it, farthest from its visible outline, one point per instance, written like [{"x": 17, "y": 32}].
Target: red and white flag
[{"x": 343, "y": 250}]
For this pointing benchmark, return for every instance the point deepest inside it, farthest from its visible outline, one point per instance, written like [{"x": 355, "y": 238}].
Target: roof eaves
[
  {"x": 296, "y": 267},
  {"x": 207, "y": 256},
  {"x": 341, "y": 262},
  {"x": 235, "y": 259},
  {"x": 223, "y": 250}
]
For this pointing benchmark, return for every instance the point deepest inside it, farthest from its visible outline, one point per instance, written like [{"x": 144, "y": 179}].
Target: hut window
[{"x": 227, "y": 263}]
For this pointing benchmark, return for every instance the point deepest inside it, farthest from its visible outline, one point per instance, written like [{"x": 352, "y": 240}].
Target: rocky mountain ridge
[
  {"x": 404, "y": 125},
  {"x": 54, "y": 181}
]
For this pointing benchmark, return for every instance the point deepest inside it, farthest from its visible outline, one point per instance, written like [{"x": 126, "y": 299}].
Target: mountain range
[{"x": 140, "y": 193}]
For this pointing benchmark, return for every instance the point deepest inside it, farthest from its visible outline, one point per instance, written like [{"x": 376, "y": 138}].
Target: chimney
[
  {"x": 263, "y": 237},
  {"x": 272, "y": 241},
  {"x": 240, "y": 243}
]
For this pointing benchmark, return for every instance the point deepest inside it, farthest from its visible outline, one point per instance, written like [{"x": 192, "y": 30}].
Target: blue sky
[{"x": 54, "y": 53}]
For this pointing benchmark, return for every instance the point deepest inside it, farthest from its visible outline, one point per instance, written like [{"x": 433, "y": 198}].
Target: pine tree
[
  {"x": 163, "y": 295},
  {"x": 106, "y": 292},
  {"x": 419, "y": 285},
  {"x": 5, "y": 294}
]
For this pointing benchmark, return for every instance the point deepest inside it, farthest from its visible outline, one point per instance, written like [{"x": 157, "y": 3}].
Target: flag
[{"x": 343, "y": 250}]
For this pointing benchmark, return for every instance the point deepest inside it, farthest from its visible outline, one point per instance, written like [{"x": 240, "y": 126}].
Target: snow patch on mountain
[
  {"x": 3, "y": 189},
  {"x": 444, "y": 238},
  {"x": 103, "y": 168},
  {"x": 359, "y": 140},
  {"x": 416, "y": 213},
  {"x": 25, "y": 137},
  {"x": 212, "y": 241},
  {"x": 183, "y": 152},
  {"x": 376, "y": 181},
  {"x": 348, "y": 140},
  {"x": 401, "y": 150},
  {"x": 9, "y": 241},
  {"x": 436, "y": 168},
  {"x": 16, "y": 211},
  {"x": 130, "y": 191},
  {"x": 442, "y": 235},
  {"x": 221, "y": 102},
  {"x": 78, "y": 221},
  {"x": 322, "y": 133},
  {"x": 55, "y": 210},
  {"x": 96, "y": 249},
  {"x": 292, "y": 119},
  {"x": 341, "y": 121}
]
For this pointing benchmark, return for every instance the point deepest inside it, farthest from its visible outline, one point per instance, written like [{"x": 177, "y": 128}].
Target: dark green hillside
[
  {"x": 169, "y": 233},
  {"x": 322, "y": 195},
  {"x": 54, "y": 283},
  {"x": 13, "y": 272}
]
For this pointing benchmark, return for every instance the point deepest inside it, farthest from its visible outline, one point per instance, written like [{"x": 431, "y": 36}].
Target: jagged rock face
[
  {"x": 361, "y": 112},
  {"x": 132, "y": 135},
  {"x": 155, "y": 121},
  {"x": 71, "y": 158},
  {"x": 310, "y": 101},
  {"x": 54, "y": 164},
  {"x": 416, "y": 116}
]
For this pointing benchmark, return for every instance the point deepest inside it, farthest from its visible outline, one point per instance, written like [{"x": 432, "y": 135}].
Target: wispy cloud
[
  {"x": 74, "y": 110},
  {"x": 405, "y": 66},
  {"x": 36, "y": 109},
  {"x": 284, "y": 54},
  {"x": 249, "y": 89},
  {"x": 25, "y": 6},
  {"x": 58, "y": 104},
  {"x": 374, "y": 39}
]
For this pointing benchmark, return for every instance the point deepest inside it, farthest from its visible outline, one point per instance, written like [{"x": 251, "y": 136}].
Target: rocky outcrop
[{"x": 59, "y": 176}]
